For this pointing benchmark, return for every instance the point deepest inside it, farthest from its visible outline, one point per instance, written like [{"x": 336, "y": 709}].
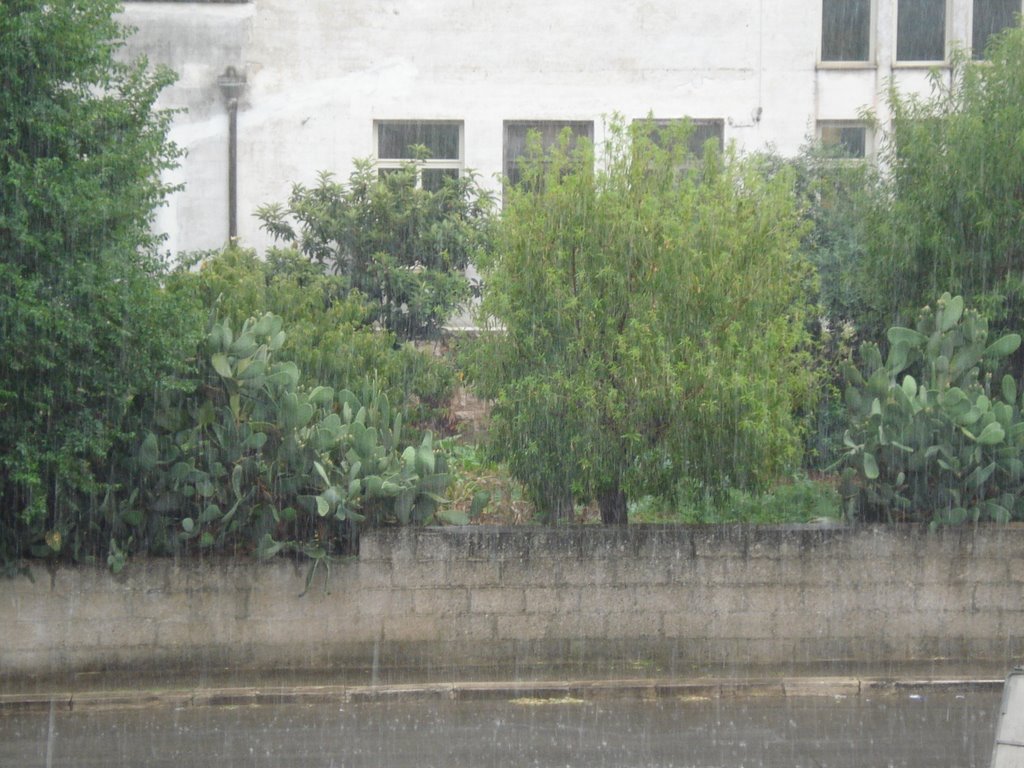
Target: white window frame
[
  {"x": 561, "y": 123},
  {"x": 696, "y": 122},
  {"x": 946, "y": 37},
  {"x": 434, "y": 163},
  {"x": 869, "y": 62},
  {"x": 979, "y": 55},
  {"x": 869, "y": 136}
]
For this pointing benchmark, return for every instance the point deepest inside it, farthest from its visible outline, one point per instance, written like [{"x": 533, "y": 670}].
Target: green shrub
[
  {"x": 329, "y": 333},
  {"x": 944, "y": 213},
  {"x": 244, "y": 457},
  {"x": 801, "y": 500},
  {"x": 836, "y": 198},
  {"x": 928, "y": 438}
]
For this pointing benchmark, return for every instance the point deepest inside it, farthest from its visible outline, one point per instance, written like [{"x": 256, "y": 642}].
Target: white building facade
[{"x": 326, "y": 81}]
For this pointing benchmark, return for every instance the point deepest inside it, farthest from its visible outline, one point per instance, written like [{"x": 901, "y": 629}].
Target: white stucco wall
[{"x": 319, "y": 72}]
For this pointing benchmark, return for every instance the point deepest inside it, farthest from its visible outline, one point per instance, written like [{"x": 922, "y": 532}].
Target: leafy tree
[
  {"x": 403, "y": 247},
  {"x": 953, "y": 216},
  {"x": 652, "y": 324},
  {"x": 84, "y": 326}
]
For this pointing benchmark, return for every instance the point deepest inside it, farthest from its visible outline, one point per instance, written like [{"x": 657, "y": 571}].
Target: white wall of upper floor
[{"x": 320, "y": 72}]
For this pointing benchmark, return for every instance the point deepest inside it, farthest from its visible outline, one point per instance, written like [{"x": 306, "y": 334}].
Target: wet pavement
[{"x": 906, "y": 727}]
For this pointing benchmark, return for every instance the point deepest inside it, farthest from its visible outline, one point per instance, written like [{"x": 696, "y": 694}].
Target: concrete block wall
[{"x": 452, "y": 602}]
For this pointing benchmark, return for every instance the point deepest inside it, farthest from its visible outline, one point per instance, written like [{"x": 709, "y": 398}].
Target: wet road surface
[{"x": 943, "y": 728}]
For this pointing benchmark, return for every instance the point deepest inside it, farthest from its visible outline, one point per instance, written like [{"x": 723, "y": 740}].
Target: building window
[
  {"x": 703, "y": 130},
  {"x": 991, "y": 17},
  {"x": 921, "y": 30},
  {"x": 517, "y": 131},
  {"x": 846, "y": 30},
  {"x": 847, "y": 139},
  {"x": 435, "y": 147}
]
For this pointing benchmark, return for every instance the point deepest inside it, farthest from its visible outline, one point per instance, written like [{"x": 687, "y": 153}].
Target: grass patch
[
  {"x": 485, "y": 491},
  {"x": 800, "y": 500}
]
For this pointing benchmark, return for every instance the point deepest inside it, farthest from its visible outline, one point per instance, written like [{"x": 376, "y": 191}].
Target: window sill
[
  {"x": 855, "y": 66},
  {"x": 849, "y": 162},
  {"x": 920, "y": 65}
]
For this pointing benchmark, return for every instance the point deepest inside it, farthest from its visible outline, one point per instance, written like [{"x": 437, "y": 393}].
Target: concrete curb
[{"x": 553, "y": 691}]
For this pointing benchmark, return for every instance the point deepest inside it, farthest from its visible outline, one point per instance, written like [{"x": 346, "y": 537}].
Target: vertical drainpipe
[{"x": 231, "y": 86}]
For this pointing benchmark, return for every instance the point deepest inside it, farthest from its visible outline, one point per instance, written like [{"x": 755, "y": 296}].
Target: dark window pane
[
  {"x": 846, "y": 30},
  {"x": 702, "y": 132},
  {"x": 396, "y": 178},
  {"x": 433, "y": 178},
  {"x": 990, "y": 17},
  {"x": 921, "y": 30},
  {"x": 851, "y": 139},
  {"x": 516, "y": 134},
  {"x": 395, "y": 139}
]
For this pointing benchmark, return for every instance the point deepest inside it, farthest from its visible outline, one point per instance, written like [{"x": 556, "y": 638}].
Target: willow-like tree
[
  {"x": 951, "y": 213},
  {"x": 651, "y": 324},
  {"x": 84, "y": 326}
]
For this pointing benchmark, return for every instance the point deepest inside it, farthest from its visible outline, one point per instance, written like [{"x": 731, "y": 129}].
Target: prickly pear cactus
[
  {"x": 250, "y": 458},
  {"x": 391, "y": 486},
  {"x": 930, "y": 438}
]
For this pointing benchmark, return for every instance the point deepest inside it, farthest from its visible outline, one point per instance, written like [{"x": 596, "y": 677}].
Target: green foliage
[
  {"x": 84, "y": 326},
  {"x": 803, "y": 500},
  {"x": 403, "y": 247},
  {"x": 249, "y": 459},
  {"x": 329, "y": 334},
  {"x": 652, "y": 318},
  {"x": 836, "y": 197},
  {"x": 953, "y": 218},
  {"x": 482, "y": 490},
  {"x": 928, "y": 438}
]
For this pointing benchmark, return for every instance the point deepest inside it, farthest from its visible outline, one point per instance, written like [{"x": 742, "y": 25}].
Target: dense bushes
[
  {"x": 954, "y": 215},
  {"x": 129, "y": 422},
  {"x": 245, "y": 452},
  {"x": 653, "y": 322},
  {"x": 239, "y": 452},
  {"x": 84, "y": 327},
  {"x": 941, "y": 211},
  {"x": 245, "y": 457},
  {"x": 946, "y": 212},
  {"x": 330, "y": 335}
]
